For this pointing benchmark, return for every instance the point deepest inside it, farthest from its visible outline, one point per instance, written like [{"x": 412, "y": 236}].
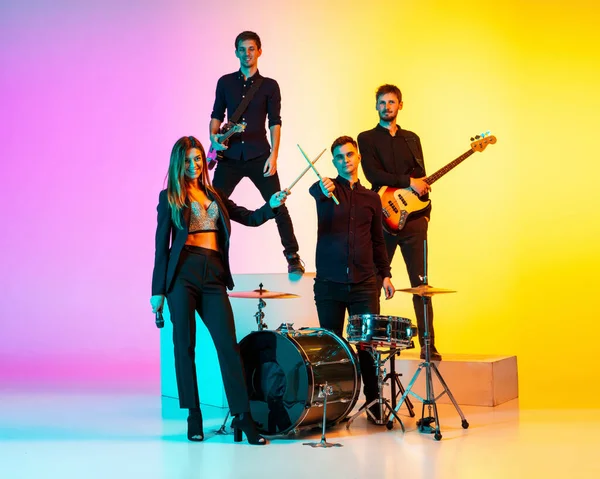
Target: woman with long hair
[{"x": 191, "y": 269}]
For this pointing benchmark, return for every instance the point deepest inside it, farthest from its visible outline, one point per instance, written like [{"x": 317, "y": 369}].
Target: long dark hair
[{"x": 176, "y": 180}]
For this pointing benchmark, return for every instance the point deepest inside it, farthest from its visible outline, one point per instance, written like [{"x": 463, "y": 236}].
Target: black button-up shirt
[
  {"x": 350, "y": 245},
  {"x": 266, "y": 103},
  {"x": 392, "y": 160}
]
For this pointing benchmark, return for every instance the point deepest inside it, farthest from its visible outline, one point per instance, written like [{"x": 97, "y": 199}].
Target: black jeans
[
  {"x": 332, "y": 300},
  {"x": 198, "y": 286},
  {"x": 411, "y": 240},
  {"x": 229, "y": 173}
]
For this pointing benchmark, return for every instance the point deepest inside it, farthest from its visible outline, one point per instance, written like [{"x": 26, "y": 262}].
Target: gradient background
[{"x": 95, "y": 93}]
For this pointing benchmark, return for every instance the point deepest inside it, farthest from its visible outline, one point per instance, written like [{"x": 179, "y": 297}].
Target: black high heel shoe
[
  {"x": 243, "y": 423},
  {"x": 195, "y": 432}
]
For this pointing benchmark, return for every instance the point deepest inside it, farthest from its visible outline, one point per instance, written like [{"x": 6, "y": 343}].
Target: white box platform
[{"x": 473, "y": 380}]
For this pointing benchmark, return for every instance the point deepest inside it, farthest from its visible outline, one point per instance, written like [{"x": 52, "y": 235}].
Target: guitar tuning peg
[
  {"x": 488, "y": 133},
  {"x": 472, "y": 139},
  {"x": 477, "y": 137}
]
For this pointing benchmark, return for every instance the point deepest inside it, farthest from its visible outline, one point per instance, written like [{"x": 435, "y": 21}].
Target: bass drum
[{"x": 285, "y": 371}]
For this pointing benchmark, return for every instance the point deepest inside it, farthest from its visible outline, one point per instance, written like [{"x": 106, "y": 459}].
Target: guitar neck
[
  {"x": 442, "y": 171},
  {"x": 228, "y": 134}
]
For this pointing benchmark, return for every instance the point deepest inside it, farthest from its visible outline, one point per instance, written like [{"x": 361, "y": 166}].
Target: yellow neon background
[{"x": 514, "y": 229}]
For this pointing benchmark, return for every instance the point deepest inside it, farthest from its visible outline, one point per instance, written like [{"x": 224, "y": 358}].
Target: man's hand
[
  {"x": 279, "y": 198},
  {"x": 388, "y": 287},
  {"x": 327, "y": 186},
  {"x": 215, "y": 142},
  {"x": 419, "y": 185},
  {"x": 270, "y": 165}
]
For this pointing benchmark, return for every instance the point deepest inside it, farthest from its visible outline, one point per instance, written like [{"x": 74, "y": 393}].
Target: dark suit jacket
[{"x": 170, "y": 239}]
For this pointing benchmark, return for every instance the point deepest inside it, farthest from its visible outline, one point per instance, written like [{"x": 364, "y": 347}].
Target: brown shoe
[{"x": 434, "y": 355}]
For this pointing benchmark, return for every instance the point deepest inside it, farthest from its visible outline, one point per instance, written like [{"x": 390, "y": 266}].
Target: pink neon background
[{"x": 94, "y": 96}]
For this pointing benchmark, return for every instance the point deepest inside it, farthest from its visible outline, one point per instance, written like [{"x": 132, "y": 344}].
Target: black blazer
[{"x": 170, "y": 239}]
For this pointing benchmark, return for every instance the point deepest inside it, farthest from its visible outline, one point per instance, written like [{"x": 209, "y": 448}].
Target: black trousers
[
  {"x": 411, "y": 240},
  {"x": 198, "y": 286},
  {"x": 229, "y": 173},
  {"x": 332, "y": 300}
]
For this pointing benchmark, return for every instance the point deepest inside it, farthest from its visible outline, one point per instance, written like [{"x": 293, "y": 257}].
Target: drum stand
[
  {"x": 381, "y": 401},
  {"x": 425, "y": 423},
  {"x": 395, "y": 382},
  {"x": 324, "y": 391}
]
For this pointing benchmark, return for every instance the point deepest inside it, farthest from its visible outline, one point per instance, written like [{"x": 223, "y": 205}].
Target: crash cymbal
[
  {"x": 426, "y": 290},
  {"x": 262, "y": 294}
]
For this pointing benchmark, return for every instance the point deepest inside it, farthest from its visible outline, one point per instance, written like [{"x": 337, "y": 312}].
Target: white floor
[{"x": 123, "y": 436}]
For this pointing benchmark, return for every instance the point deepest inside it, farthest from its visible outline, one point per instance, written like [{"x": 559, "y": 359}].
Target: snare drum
[
  {"x": 381, "y": 330},
  {"x": 285, "y": 371}
]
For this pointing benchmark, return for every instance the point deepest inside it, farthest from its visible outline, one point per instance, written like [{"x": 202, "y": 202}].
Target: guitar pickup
[{"x": 393, "y": 206}]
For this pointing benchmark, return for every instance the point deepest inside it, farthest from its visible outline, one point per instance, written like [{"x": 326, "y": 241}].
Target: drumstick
[
  {"x": 335, "y": 200},
  {"x": 306, "y": 169}
]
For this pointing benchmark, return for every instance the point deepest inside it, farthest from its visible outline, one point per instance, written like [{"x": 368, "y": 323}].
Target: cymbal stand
[
  {"x": 259, "y": 315},
  {"x": 425, "y": 423},
  {"x": 324, "y": 391}
]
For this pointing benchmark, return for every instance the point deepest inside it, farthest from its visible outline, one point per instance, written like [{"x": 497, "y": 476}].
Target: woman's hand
[
  {"x": 279, "y": 198},
  {"x": 157, "y": 301}
]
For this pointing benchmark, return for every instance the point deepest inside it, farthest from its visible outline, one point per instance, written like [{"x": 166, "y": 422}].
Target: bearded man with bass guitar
[{"x": 393, "y": 157}]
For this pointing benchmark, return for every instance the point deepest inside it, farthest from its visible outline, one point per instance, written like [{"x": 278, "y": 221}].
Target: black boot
[
  {"x": 295, "y": 264},
  {"x": 244, "y": 423}
]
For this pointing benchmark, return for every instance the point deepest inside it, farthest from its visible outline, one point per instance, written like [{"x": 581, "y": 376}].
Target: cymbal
[
  {"x": 262, "y": 294},
  {"x": 426, "y": 290}
]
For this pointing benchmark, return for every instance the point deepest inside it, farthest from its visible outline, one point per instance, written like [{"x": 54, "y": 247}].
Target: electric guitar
[
  {"x": 227, "y": 131},
  {"x": 399, "y": 203}
]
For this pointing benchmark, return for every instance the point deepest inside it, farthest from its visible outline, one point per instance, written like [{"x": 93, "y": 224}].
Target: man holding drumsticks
[{"x": 350, "y": 252}]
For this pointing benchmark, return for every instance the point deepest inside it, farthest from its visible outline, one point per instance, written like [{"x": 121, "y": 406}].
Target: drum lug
[{"x": 286, "y": 328}]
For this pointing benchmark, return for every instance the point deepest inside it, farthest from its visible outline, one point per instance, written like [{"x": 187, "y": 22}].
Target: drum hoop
[
  {"x": 309, "y": 375},
  {"x": 379, "y": 317}
]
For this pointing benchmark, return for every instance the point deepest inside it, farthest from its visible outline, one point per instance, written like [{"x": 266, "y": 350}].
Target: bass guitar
[{"x": 399, "y": 203}]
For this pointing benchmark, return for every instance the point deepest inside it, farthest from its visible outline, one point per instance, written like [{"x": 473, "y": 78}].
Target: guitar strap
[
  {"x": 412, "y": 146},
  {"x": 239, "y": 111}
]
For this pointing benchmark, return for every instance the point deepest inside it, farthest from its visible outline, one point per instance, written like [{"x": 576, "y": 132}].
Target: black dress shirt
[
  {"x": 350, "y": 245},
  {"x": 392, "y": 160},
  {"x": 266, "y": 103}
]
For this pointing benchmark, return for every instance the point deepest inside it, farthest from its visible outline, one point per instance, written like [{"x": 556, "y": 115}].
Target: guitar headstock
[{"x": 481, "y": 141}]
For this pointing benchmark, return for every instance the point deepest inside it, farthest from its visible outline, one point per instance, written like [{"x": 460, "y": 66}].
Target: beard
[{"x": 384, "y": 116}]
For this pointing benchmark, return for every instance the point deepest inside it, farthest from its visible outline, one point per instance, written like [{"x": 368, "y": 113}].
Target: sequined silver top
[{"x": 203, "y": 219}]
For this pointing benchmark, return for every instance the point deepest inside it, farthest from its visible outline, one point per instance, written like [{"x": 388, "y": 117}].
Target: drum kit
[{"x": 304, "y": 378}]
